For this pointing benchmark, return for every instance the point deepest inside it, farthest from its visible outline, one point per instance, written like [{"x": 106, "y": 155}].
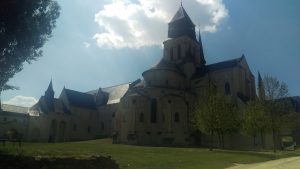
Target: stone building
[
  {"x": 155, "y": 110},
  {"x": 73, "y": 116},
  {"x": 150, "y": 111}
]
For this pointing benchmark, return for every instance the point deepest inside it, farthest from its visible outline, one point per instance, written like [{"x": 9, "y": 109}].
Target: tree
[
  {"x": 276, "y": 105},
  {"x": 215, "y": 113},
  {"x": 255, "y": 120},
  {"x": 25, "y": 26}
]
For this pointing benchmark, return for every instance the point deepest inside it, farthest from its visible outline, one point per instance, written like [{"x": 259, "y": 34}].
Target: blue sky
[{"x": 103, "y": 43}]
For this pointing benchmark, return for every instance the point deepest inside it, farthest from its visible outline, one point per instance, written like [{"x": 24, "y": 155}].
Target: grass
[{"x": 140, "y": 157}]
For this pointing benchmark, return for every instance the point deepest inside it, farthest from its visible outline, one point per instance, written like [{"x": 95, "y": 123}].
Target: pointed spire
[
  {"x": 181, "y": 3},
  {"x": 50, "y": 86},
  {"x": 49, "y": 96},
  {"x": 261, "y": 88}
]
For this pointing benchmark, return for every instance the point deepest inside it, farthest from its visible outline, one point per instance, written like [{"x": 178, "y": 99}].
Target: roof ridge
[
  {"x": 116, "y": 85},
  {"x": 13, "y": 105},
  {"x": 229, "y": 60},
  {"x": 74, "y": 90}
]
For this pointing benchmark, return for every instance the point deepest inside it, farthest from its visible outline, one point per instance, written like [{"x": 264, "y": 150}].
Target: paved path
[{"x": 285, "y": 163}]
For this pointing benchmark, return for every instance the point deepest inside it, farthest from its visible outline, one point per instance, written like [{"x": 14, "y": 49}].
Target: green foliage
[
  {"x": 276, "y": 104},
  {"x": 255, "y": 118},
  {"x": 215, "y": 114},
  {"x": 25, "y": 26}
]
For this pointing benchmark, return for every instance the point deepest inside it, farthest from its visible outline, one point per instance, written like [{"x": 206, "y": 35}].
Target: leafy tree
[
  {"x": 25, "y": 26},
  {"x": 215, "y": 114},
  {"x": 255, "y": 120},
  {"x": 276, "y": 104}
]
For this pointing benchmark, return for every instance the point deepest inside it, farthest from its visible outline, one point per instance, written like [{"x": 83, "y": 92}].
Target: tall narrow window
[
  {"x": 176, "y": 117},
  {"x": 179, "y": 51},
  {"x": 227, "y": 89},
  {"x": 171, "y": 54},
  {"x": 153, "y": 110}
]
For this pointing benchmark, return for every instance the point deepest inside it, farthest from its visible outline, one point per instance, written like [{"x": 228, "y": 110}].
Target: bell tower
[{"x": 182, "y": 46}]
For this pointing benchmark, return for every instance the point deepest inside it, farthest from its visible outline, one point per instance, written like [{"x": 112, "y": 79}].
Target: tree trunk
[
  {"x": 262, "y": 139},
  {"x": 219, "y": 139},
  {"x": 274, "y": 140},
  {"x": 254, "y": 136},
  {"x": 211, "y": 140},
  {"x": 222, "y": 138}
]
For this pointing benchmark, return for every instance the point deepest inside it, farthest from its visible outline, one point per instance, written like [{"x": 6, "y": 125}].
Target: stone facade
[
  {"x": 155, "y": 110},
  {"x": 150, "y": 111}
]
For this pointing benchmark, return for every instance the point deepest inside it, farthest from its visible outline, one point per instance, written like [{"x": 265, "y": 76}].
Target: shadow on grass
[{"x": 19, "y": 161}]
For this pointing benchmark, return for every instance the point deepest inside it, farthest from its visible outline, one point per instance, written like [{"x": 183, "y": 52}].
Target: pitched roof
[
  {"x": 225, "y": 64},
  {"x": 165, "y": 65},
  {"x": 80, "y": 99},
  {"x": 14, "y": 109},
  {"x": 57, "y": 107},
  {"x": 115, "y": 93},
  {"x": 296, "y": 103}
]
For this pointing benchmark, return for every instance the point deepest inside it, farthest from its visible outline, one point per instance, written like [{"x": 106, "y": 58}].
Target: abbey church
[{"x": 150, "y": 111}]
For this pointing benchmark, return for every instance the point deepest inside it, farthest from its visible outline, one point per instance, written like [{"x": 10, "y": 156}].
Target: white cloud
[
  {"x": 21, "y": 101},
  {"x": 144, "y": 23}
]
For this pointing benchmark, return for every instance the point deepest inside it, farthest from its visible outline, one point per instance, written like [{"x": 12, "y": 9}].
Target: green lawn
[{"x": 140, "y": 157}]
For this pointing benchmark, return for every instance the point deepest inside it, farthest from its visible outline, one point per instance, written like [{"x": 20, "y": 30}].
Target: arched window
[
  {"x": 179, "y": 51},
  {"x": 153, "y": 110},
  {"x": 141, "y": 117},
  {"x": 227, "y": 89},
  {"x": 176, "y": 117}
]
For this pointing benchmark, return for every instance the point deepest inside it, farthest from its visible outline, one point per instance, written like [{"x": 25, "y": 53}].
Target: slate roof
[
  {"x": 165, "y": 65},
  {"x": 115, "y": 93},
  {"x": 218, "y": 66},
  {"x": 225, "y": 64},
  {"x": 181, "y": 15},
  {"x": 296, "y": 103},
  {"x": 14, "y": 110},
  {"x": 42, "y": 106},
  {"x": 80, "y": 99}
]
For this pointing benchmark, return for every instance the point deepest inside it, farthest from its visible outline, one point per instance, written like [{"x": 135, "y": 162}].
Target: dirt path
[{"x": 286, "y": 163}]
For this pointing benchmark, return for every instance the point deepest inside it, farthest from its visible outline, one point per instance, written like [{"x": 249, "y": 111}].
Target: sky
[{"x": 101, "y": 43}]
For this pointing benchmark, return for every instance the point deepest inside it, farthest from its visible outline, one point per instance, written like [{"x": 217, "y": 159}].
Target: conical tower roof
[
  {"x": 182, "y": 15},
  {"x": 181, "y": 25}
]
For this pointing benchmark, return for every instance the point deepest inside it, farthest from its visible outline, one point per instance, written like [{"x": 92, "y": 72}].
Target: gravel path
[{"x": 285, "y": 163}]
